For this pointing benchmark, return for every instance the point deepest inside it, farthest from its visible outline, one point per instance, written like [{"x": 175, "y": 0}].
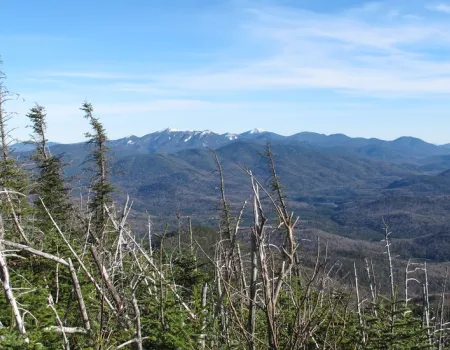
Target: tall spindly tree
[
  {"x": 101, "y": 186},
  {"x": 50, "y": 186},
  {"x": 13, "y": 178}
]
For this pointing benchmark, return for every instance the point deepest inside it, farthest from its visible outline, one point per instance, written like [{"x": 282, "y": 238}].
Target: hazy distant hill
[
  {"x": 424, "y": 184},
  {"x": 166, "y": 183},
  {"x": 27, "y": 147},
  {"x": 415, "y": 206},
  {"x": 435, "y": 164}
]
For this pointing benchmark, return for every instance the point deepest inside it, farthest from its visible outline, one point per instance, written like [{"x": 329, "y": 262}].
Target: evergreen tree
[
  {"x": 50, "y": 185},
  {"x": 100, "y": 186},
  {"x": 37, "y": 117},
  {"x": 12, "y": 175}
]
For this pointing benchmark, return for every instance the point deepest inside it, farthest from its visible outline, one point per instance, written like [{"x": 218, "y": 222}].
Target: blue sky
[{"x": 372, "y": 69}]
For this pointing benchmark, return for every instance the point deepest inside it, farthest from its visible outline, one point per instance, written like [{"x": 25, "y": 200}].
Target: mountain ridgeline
[{"x": 402, "y": 150}]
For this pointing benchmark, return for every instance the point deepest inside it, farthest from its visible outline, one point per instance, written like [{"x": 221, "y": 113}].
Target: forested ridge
[{"x": 76, "y": 274}]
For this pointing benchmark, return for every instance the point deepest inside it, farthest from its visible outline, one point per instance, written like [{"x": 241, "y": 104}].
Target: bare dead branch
[
  {"x": 15, "y": 218},
  {"x": 83, "y": 267},
  {"x": 51, "y": 305},
  {"x": 22, "y": 247},
  {"x": 79, "y": 295},
  {"x": 109, "y": 285}
]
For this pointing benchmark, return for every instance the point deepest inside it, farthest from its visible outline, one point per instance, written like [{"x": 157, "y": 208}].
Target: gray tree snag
[
  {"x": 79, "y": 296},
  {"x": 6, "y": 284}
]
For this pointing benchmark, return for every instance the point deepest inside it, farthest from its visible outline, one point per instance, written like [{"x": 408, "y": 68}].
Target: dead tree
[{"x": 7, "y": 288}]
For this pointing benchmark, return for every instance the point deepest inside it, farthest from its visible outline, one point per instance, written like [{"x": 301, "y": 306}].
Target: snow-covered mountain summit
[{"x": 172, "y": 140}]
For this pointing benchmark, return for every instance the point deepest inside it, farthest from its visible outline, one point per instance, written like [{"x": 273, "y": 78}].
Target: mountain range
[
  {"x": 404, "y": 150},
  {"x": 408, "y": 149},
  {"x": 338, "y": 185}
]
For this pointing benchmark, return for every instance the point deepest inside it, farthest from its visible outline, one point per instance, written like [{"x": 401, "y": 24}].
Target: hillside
[{"x": 306, "y": 173}]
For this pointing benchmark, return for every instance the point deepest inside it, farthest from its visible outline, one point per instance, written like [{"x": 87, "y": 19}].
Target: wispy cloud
[
  {"x": 310, "y": 50},
  {"x": 363, "y": 50},
  {"x": 439, "y": 7},
  {"x": 90, "y": 75}
]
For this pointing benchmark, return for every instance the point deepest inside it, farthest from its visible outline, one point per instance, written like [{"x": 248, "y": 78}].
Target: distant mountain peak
[
  {"x": 408, "y": 139},
  {"x": 231, "y": 136},
  {"x": 168, "y": 130},
  {"x": 204, "y": 132},
  {"x": 256, "y": 131},
  {"x": 191, "y": 132}
]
